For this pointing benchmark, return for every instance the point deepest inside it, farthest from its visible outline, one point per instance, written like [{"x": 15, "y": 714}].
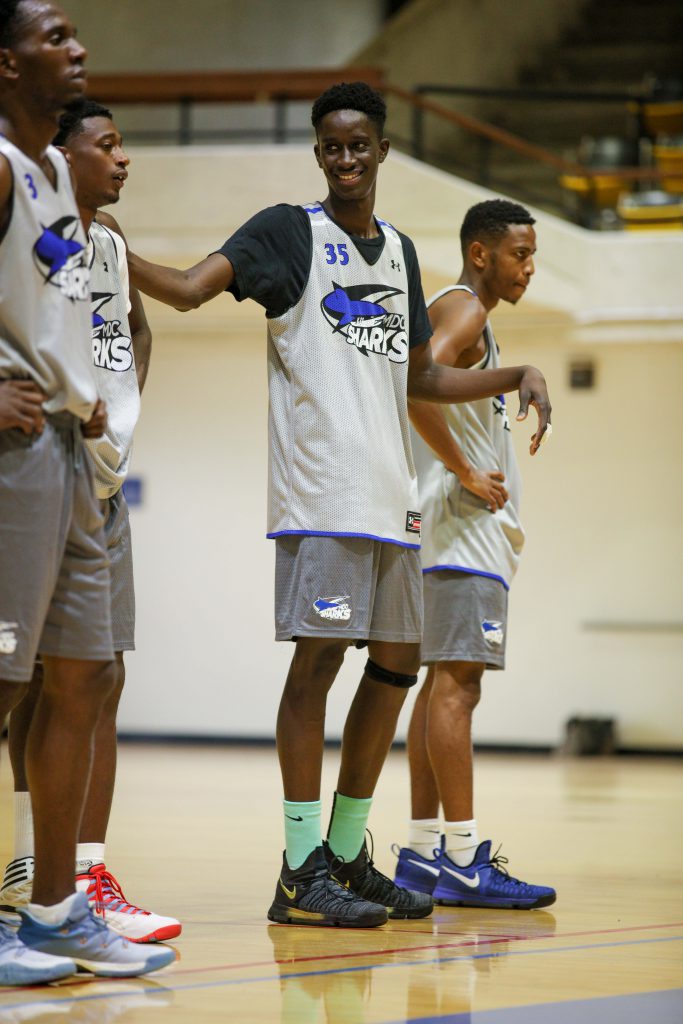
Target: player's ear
[
  {"x": 8, "y": 65},
  {"x": 316, "y": 150},
  {"x": 383, "y": 149},
  {"x": 478, "y": 255},
  {"x": 65, "y": 151}
]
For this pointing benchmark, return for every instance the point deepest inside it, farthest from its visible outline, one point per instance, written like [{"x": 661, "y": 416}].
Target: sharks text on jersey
[
  {"x": 357, "y": 314},
  {"x": 111, "y": 348}
]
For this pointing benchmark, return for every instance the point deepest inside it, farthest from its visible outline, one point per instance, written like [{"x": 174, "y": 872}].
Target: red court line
[{"x": 481, "y": 940}]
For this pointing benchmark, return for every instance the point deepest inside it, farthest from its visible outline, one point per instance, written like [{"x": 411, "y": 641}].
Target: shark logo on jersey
[
  {"x": 492, "y": 632},
  {"x": 357, "y": 313},
  {"x": 333, "y": 608},
  {"x": 60, "y": 258},
  {"x": 500, "y": 409},
  {"x": 111, "y": 348}
]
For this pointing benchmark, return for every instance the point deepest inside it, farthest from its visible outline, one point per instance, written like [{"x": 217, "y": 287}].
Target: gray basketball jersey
[
  {"x": 45, "y": 287},
  {"x": 113, "y": 358},
  {"x": 459, "y": 531},
  {"x": 340, "y": 457}
]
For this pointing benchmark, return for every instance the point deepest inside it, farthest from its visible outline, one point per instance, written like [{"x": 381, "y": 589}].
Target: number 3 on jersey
[{"x": 336, "y": 251}]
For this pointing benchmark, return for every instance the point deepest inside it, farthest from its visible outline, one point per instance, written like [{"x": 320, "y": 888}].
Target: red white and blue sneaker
[
  {"x": 486, "y": 883},
  {"x": 107, "y": 901},
  {"x": 415, "y": 872}
]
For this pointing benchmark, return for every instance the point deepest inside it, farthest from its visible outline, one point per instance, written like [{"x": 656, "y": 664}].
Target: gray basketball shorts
[
  {"x": 465, "y": 618},
  {"x": 54, "y": 571},
  {"x": 347, "y": 587},
  {"x": 120, "y": 551}
]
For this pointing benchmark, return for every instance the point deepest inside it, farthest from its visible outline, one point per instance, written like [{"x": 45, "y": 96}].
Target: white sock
[
  {"x": 56, "y": 914},
  {"x": 462, "y": 840},
  {"x": 23, "y": 826},
  {"x": 88, "y": 854},
  {"x": 424, "y": 836}
]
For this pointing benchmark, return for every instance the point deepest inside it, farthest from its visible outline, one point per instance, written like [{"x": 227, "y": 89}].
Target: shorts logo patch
[
  {"x": 414, "y": 522},
  {"x": 333, "y": 608},
  {"x": 8, "y": 638},
  {"x": 492, "y": 632}
]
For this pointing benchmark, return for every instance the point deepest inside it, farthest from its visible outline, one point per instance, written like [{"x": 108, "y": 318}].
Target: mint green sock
[
  {"x": 346, "y": 833},
  {"x": 302, "y": 830}
]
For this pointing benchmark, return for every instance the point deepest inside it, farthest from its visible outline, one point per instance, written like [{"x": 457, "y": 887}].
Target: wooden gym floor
[{"x": 196, "y": 833}]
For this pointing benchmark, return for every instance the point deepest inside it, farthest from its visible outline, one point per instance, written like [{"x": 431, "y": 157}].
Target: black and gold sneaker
[
  {"x": 309, "y": 895},
  {"x": 362, "y": 877}
]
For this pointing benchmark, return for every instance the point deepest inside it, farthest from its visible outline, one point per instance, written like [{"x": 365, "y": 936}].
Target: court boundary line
[{"x": 278, "y": 977}]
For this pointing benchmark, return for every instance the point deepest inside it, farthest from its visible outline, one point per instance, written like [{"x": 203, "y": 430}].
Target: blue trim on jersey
[
  {"x": 360, "y": 536},
  {"x": 310, "y": 210},
  {"x": 472, "y": 572}
]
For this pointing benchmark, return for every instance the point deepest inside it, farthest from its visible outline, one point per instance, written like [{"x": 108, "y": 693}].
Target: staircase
[{"x": 616, "y": 46}]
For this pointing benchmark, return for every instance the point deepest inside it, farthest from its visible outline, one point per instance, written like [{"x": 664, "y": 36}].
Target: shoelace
[
  {"x": 498, "y": 862},
  {"x": 376, "y": 887},
  {"x": 108, "y": 895}
]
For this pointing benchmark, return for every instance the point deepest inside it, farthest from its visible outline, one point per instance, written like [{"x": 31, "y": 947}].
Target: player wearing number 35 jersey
[{"x": 347, "y": 346}]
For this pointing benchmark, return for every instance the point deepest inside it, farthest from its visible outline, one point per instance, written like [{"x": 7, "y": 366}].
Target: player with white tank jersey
[
  {"x": 121, "y": 346},
  {"x": 472, "y": 541},
  {"x": 347, "y": 344}
]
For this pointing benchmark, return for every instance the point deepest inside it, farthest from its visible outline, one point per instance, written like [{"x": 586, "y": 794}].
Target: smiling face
[
  {"x": 349, "y": 152},
  {"x": 506, "y": 267},
  {"x": 99, "y": 162},
  {"x": 45, "y": 60}
]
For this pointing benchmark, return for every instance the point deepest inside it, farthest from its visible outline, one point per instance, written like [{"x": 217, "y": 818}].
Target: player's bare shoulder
[
  {"x": 458, "y": 318},
  {"x": 109, "y": 222}
]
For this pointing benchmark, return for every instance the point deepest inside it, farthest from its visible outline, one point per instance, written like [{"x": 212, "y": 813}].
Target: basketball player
[
  {"x": 347, "y": 341},
  {"x": 121, "y": 350},
  {"x": 470, "y": 551},
  {"x": 54, "y": 578}
]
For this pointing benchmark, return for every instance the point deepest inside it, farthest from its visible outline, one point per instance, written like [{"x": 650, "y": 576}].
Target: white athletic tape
[{"x": 548, "y": 432}]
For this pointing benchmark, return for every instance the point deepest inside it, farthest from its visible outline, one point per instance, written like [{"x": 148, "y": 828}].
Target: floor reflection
[{"x": 332, "y": 975}]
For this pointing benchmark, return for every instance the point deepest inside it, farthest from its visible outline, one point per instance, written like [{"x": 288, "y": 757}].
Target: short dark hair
[
  {"x": 71, "y": 121},
  {"x": 8, "y": 21},
  {"x": 351, "y": 96},
  {"x": 489, "y": 221}
]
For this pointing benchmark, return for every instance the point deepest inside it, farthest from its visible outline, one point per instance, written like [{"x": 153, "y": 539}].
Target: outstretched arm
[
  {"x": 183, "y": 289},
  {"x": 431, "y": 382}
]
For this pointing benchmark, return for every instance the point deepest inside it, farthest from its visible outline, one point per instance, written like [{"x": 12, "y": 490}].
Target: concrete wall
[
  {"x": 597, "y": 609},
  {"x": 174, "y": 35}
]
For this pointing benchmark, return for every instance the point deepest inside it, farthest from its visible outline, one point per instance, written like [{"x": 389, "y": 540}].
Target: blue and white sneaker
[
  {"x": 486, "y": 883},
  {"x": 413, "y": 871},
  {"x": 91, "y": 945},
  {"x": 20, "y": 965}
]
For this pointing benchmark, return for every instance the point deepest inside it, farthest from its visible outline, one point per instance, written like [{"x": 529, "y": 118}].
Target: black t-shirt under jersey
[{"x": 271, "y": 256}]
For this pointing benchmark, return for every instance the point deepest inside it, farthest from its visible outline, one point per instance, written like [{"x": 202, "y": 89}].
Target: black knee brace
[{"x": 383, "y": 675}]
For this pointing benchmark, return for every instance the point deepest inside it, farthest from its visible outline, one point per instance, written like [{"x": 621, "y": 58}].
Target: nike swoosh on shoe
[
  {"x": 425, "y": 867},
  {"x": 473, "y": 883}
]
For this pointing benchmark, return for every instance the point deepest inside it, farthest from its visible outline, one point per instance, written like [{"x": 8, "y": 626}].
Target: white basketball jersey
[
  {"x": 113, "y": 358},
  {"x": 340, "y": 456},
  {"x": 459, "y": 531},
  {"x": 45, "y": 287}
]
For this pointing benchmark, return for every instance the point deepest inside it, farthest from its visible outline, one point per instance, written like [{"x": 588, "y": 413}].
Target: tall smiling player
[
  {"x": 54, "y": 578},
  {"x": 347, "y": 342}
]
